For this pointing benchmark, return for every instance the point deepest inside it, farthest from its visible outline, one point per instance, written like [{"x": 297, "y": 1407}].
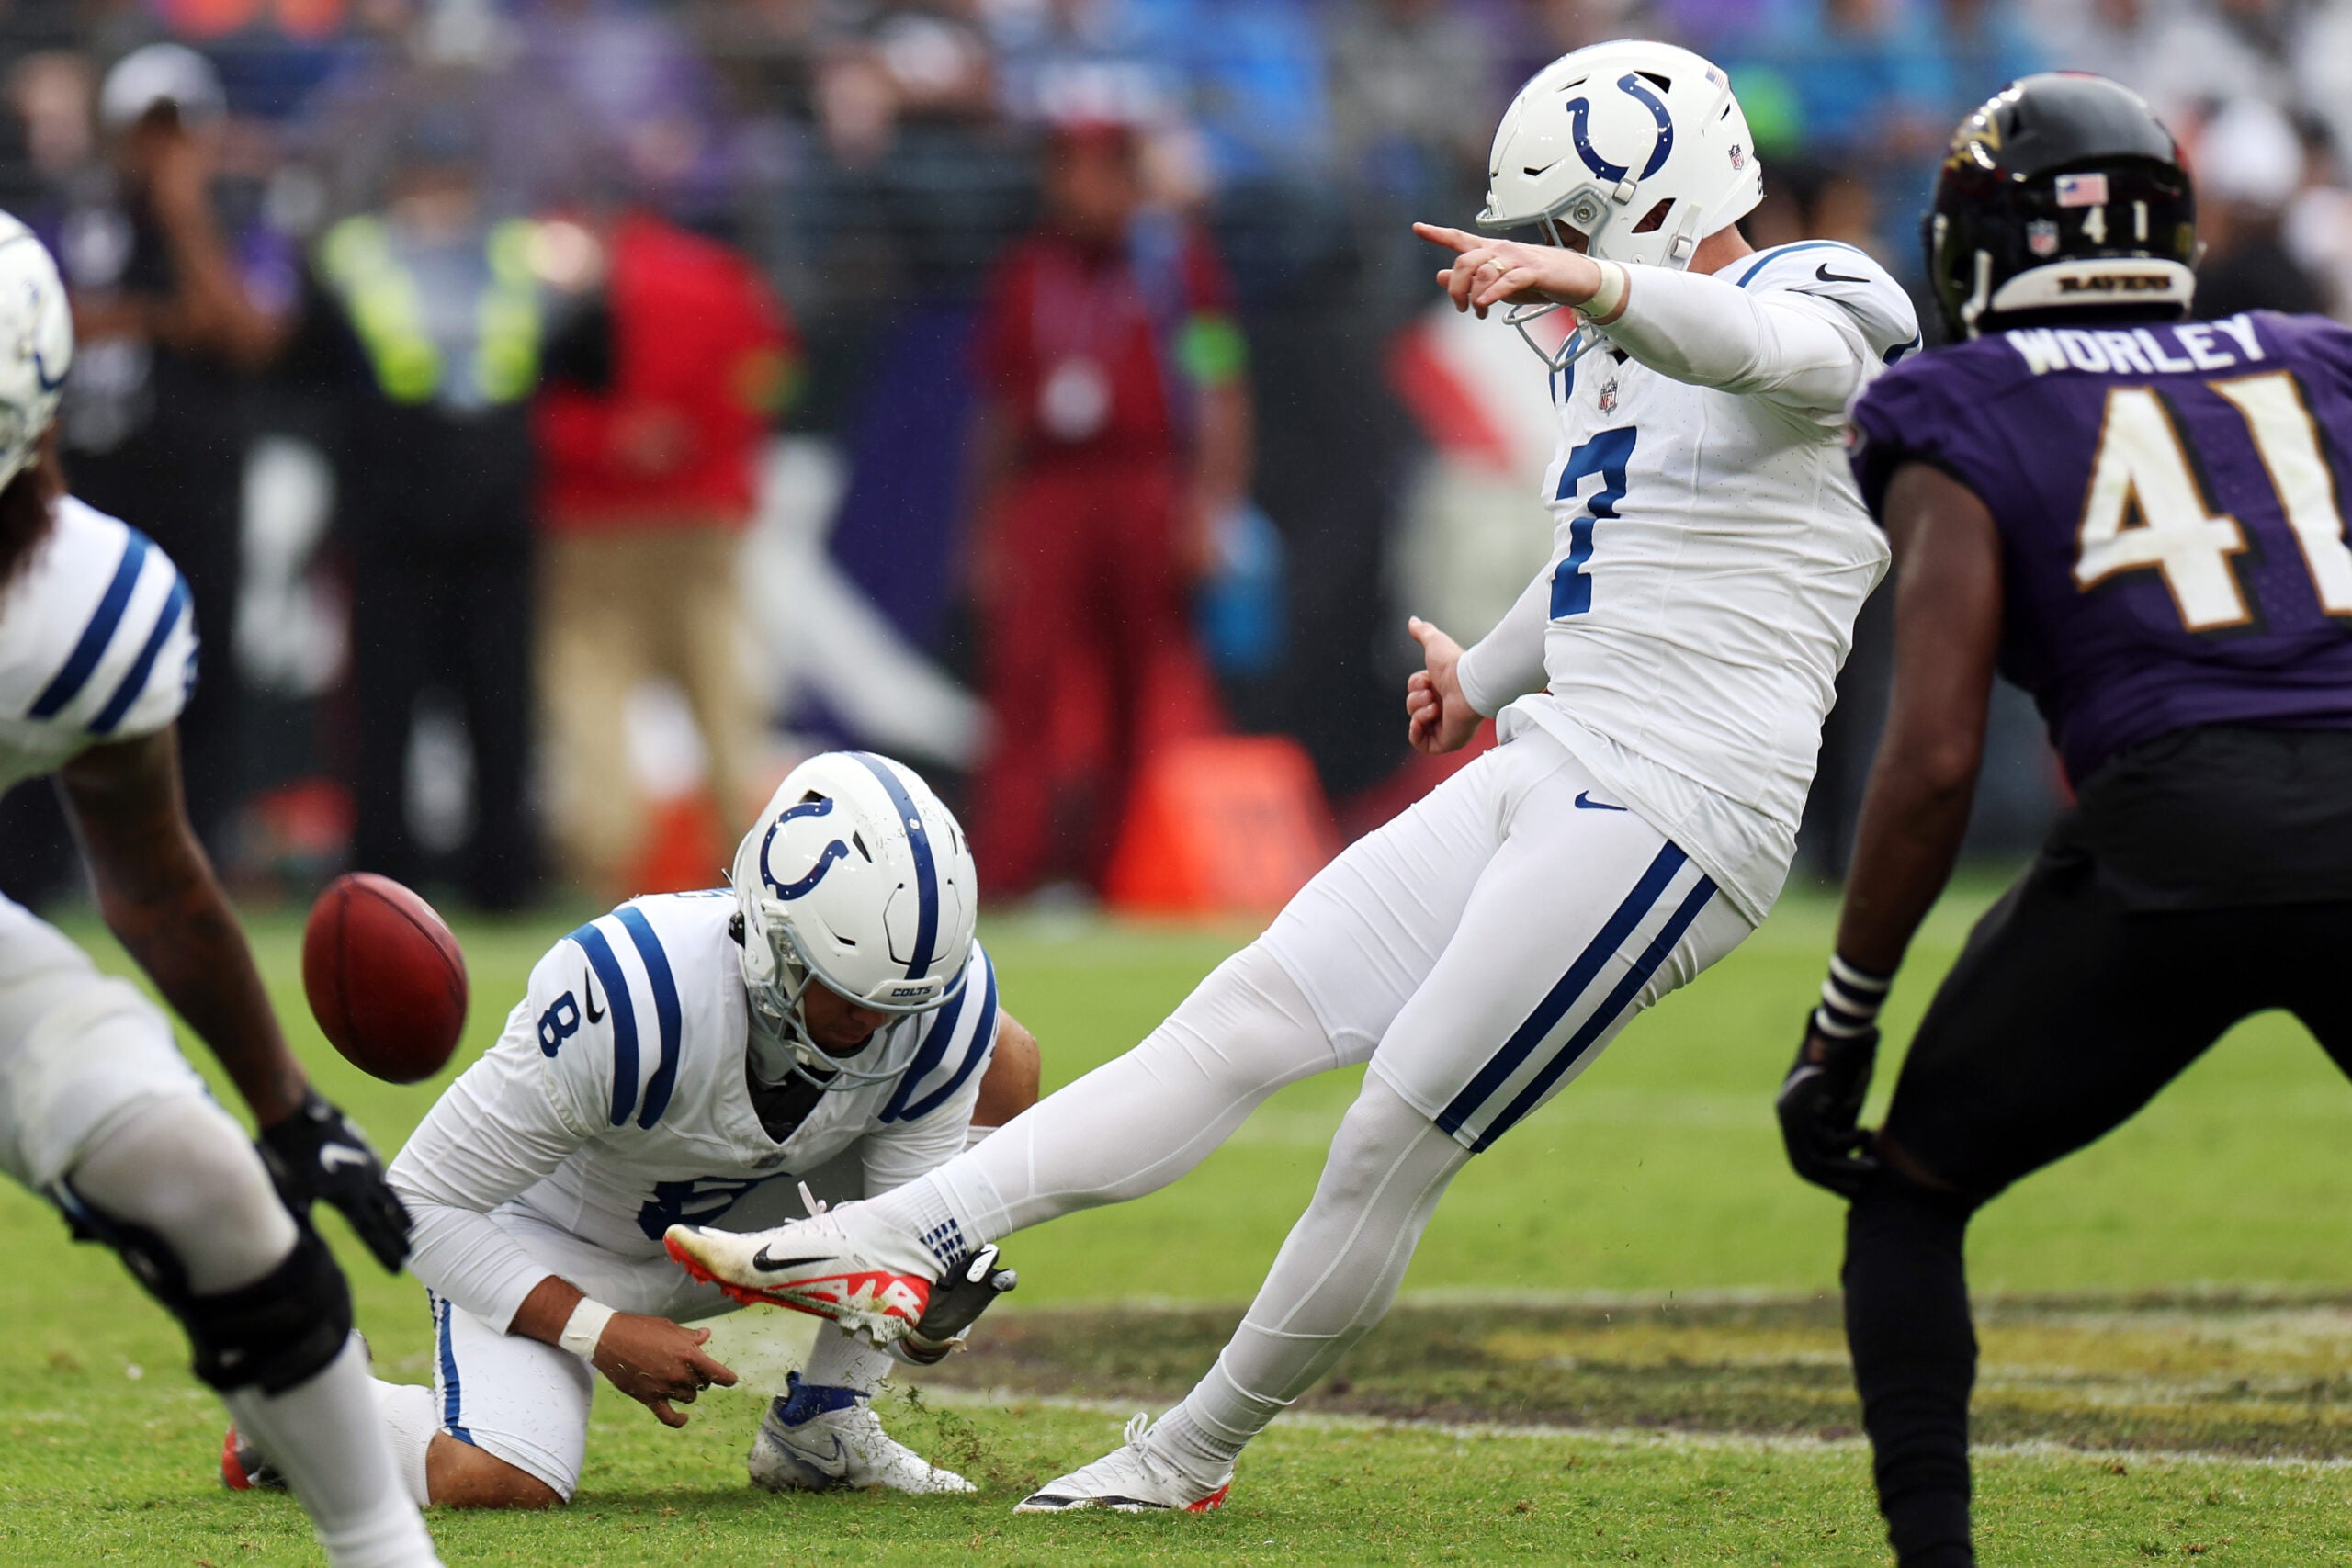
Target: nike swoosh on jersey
[
  {"x": 761, "y": 1260},
  {"x": 1586, "y": 802},
  {"x": 588, "y": 983},
  {"x": 1825, "y": 276}
]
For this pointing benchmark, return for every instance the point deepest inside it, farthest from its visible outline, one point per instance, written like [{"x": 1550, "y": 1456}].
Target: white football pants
[{"x": 1479, "y": 952}]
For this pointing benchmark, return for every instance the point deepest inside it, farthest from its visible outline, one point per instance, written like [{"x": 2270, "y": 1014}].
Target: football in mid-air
[{"x": 386, "y": 979}]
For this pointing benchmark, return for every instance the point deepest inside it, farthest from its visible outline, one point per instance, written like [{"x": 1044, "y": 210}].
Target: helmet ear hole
[{"x": 1655, "y": 219}]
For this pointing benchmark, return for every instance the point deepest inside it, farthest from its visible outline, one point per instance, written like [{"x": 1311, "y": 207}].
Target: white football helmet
[
  {"x": 36, "y": 345},
  {"x": 857, "y": 877},
  {"x": 1639, "y": 147}
]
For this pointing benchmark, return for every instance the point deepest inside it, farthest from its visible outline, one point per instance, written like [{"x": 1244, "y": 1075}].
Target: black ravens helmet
[{"x": 2063, "y": 195}]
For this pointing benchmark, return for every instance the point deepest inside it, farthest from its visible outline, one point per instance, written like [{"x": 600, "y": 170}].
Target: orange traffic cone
[{"x": 1221, "y": 825}]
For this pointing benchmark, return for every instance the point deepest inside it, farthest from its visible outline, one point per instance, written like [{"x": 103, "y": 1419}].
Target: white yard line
[{"x": 1639, "y": 1437}]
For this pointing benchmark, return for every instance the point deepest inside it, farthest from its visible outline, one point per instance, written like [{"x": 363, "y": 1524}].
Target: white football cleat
[
  {"x": 869, "y": 1277},
  {"x": 1130, "y": 1480},
  {"x": 824, "y": 1439}
]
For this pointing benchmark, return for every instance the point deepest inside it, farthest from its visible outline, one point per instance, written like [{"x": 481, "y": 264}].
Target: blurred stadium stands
[{"x": 874, "y": 160}]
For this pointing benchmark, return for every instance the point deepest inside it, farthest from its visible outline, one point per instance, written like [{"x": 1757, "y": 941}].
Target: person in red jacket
[
  {"x": 649, "y": 473},
  {"x": 1113, "y": 440}
]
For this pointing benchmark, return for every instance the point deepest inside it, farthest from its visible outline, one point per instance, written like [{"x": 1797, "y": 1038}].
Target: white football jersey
[
  {"x": 1710, "y": 553},
  {"x": 621, "y": 1076},
  {"x": 96, "y": 643}
]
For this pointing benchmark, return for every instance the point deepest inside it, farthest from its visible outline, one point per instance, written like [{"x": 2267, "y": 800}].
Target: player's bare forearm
[
  {"x": 546, "y": 1310},
  {"x": 659, "y": 1363},
  {"x": 157, "y": 894},
  {"x": 1947, "y": 626}
]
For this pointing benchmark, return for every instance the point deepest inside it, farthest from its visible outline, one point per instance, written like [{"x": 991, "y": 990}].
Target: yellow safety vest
[{"x": 358, "y": 258}]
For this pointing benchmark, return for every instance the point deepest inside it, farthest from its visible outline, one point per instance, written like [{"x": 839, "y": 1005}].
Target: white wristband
[
  {"x": 1608, "y": 299},
  {"x": 584, "y": 1328}
]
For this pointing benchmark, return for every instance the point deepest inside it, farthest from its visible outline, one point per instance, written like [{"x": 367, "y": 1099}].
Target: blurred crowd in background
[{"x": 567, "y": 412}]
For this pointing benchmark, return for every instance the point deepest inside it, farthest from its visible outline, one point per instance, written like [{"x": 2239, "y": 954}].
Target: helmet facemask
[{"x": 777, "y": 977}]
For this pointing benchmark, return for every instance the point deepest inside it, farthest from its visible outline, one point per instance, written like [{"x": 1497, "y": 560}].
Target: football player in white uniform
[
  {"x": 685, "y": 1057},
  {"x": 1661, "y": 685},
  {"x": 98, "y": 1110}
]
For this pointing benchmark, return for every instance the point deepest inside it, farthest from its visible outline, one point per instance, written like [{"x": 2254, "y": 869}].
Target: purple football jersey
[{"x": 2170, "y": 503}]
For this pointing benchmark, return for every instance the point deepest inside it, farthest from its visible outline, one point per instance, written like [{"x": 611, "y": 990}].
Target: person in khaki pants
[{"x": 649, "y": 464}]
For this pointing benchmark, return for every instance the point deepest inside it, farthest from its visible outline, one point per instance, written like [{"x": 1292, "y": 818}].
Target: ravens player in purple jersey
[{"x": 2140, "y": 520}]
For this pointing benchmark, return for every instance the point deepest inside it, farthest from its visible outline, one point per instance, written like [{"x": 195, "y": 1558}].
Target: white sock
[
  {"x": 1133, "y": 1125},
  {"x": 410, "y": 1423},
  {"x": 1331, "y": 1282},
  {"x": 842, "y": 1359},
  {"x": 325, "y": 1437}
]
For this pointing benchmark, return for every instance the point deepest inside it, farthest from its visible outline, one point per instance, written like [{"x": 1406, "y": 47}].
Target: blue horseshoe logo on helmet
[
  {"x": 832, "y": 852},
  {"x": 1579, "y": 114}
]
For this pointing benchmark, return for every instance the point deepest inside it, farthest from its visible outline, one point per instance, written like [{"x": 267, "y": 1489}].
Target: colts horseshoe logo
[
  {"x": 832, "y": 852},
  {"x": 1580, "y": 111}
]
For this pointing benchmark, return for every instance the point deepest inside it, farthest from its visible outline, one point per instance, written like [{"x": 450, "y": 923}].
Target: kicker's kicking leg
[{"x": 1318, "y": 990}]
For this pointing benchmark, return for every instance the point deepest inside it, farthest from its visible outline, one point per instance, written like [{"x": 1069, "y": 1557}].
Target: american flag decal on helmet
[{"x": 2082, "y": 190}]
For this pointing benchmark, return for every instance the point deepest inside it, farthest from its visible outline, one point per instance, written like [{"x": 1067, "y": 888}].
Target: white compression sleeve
[
  {"x": 1330, "y": 1284},
  {"x": 493, "y": 1136},
  {"x": 1136, "y": 1124},
  {"x": 1796, "y": 349},
  {"x": 1507, "y": 662}
]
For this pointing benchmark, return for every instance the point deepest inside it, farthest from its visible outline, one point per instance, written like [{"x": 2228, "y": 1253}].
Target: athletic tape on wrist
[
  {"x": 1610, "y": 297},
  {"x": 584, "y": 1328},
  {"x": 1850, "y": 1000}
]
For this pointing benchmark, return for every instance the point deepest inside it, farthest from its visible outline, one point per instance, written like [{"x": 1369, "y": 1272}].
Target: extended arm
[
  {"x": 1791, "y": 347},
  {"x": 157, "y": 894},
  {"x": 1797, "y": 348},
  {"x": 1947, "y": 635}
]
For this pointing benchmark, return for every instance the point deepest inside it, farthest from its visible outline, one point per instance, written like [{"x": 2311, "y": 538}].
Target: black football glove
[
  {"x": 956, "y": 1302},
  {"x": 1819, "y": 1102},
  {"x": 319, "y": 1152}
]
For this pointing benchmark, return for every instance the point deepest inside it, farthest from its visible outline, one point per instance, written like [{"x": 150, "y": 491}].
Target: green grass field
[{"x": 1619, "y": 1341}]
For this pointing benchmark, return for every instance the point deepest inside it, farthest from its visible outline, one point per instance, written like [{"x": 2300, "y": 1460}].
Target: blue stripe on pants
[
  {"x": 452, "y": 1422},
  {"x": 1653, "y": 958},
  {"x": 1563, "y": 996}
]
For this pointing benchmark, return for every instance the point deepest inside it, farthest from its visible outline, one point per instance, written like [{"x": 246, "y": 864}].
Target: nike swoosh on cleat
[
  {"x": 1825, "y": 276},
  {"x": 1586, "y": 802},
  {"x": 833, "y": 1466},
  {"x": 761, "y": 1260}
]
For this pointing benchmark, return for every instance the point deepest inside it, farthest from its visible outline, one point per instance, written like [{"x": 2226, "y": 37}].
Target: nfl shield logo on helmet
[
  {"x": 2041, "y": 237},
  {"x": 1738, "y": 156}
]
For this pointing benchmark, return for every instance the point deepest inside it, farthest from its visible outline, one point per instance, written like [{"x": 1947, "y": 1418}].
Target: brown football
[{"x": 386, "y": 979}]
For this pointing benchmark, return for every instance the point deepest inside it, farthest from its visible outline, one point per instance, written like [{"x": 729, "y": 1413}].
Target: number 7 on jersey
[{"x": 1606, "y": 455}]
